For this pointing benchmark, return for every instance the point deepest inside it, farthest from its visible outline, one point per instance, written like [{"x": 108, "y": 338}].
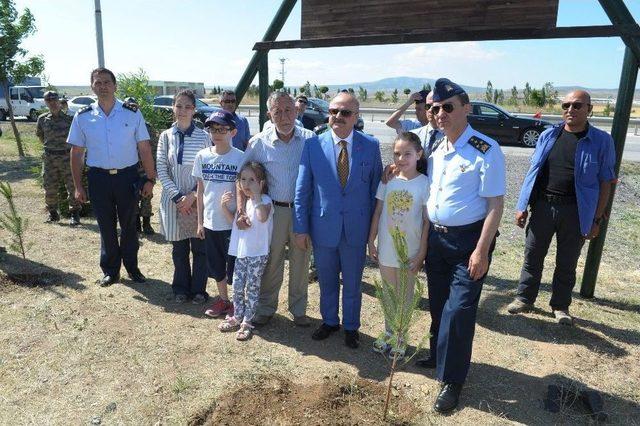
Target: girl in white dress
[{"x": 401, "y": 210}]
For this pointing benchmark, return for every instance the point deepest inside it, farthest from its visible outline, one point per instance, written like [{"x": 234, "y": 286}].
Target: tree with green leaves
[
  {"x": 513, "y": 100},
  {"x": 136, "y": 85},
  {"x": 551, "y": 94},
  {"x": 306, "y": 89},
  {"x": 277, "y": 84},
  {"x": 12, "y": 222},
  {"x": 426, "y": 87},
  {"x": 350, "y": 90},
  {"x": 14, "y": 64},
  {"x": 537, "y": 98},
  {"x": 362, "y": 93},
  {"x": 324, "y": 90},
  {"x": 488, "y": 92},
  {"x": 526, "y": 94},
  {"x": 295, "y": 92},
  {"x": 394, "y": 96},
  {"x": 407, "y": 91},
  {"x": 379, "y": 96}
]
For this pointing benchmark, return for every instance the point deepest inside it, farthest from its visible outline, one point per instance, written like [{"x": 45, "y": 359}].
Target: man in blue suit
[{"x": 334, "y": 201}]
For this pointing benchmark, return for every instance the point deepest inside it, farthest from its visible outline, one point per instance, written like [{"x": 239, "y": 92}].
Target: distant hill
[{"x": 400, "y": 83}]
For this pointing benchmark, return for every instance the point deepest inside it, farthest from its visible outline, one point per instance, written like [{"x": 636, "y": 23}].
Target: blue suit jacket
[{"x": 322, "y": 208}]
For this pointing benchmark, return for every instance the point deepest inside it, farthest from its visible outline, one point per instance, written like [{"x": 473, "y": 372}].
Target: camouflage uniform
[
  {"x": 144, "y": 208},
  {"x": 56, "y": 167}
]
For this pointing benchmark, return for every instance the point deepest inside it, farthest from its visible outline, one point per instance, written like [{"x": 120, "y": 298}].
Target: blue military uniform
[
  {"x": 462, "y": 175},
  {"x": 111, "y": 143}
]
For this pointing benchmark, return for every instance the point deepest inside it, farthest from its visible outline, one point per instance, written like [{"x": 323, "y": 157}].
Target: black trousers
[
  {"x": 187, "y": 279},
  {"x": 546, "y": 220},
  {"x": 113, "y": 198}
]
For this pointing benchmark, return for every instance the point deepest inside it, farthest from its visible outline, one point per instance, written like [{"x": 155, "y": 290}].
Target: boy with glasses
[
  {"x": 567, "y": 187},
  {"x": 229, "y": 103},
  {"x": 216, "y": 169}
]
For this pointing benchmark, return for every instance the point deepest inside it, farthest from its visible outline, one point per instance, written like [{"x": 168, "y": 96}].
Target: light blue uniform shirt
[
  {"x": 424, "y": 133},
  {"x": 461, "y": 177},
  {"x": 594, "y": 163},
  {"x": 111, "y": 140},
  {"x": 242, "y": 137}
]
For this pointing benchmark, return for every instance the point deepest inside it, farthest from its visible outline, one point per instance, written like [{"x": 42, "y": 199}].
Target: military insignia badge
[{"x": 479, "y": 144}]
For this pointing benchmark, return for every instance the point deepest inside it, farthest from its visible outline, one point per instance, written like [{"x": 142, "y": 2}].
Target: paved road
[{"x": 385, "y": 135}]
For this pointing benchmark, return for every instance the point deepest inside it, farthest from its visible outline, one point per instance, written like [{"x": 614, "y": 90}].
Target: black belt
[
  {"x": 282, "y": 204},
  {"x": 56, "y": 151},
  {"x": 114, "y": 171},
  {"x": 446, "y": 229},
  {"x": 559, "y": 199}
]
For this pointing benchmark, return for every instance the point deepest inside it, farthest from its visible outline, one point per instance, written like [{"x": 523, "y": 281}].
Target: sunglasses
[
  {"x": 344, "y": 112},
  {"x": 221, "y": 130},
  {"x": 229, "y": 101},
  {"x": 576, "y": 105},
  {"x": 448, "y": 108}
]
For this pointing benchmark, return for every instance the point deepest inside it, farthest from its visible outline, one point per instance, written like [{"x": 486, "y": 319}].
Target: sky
[{"x": 211, "y": 41}]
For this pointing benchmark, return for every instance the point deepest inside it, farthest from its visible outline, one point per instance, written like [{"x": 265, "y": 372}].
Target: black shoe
[
  {"x": 146, "y": 226},
  {"x": 138, "y": 225},
  {"x": 53, "y": 216},
  {"x": 351, "y": 339},
  {"x": 324, "y": 331},
  {"x": 429, "y": 362},
  {"x": 75, "y": 219},
  {"x": 107, "y": 280},
  {"x": 448, "y": 397},
  {"x": 137, "y": 277}
]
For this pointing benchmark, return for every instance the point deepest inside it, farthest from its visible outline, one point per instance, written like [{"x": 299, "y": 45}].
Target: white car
[{"x": 78, "y": 102}]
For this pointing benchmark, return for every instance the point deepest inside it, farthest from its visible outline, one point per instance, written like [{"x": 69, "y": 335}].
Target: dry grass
[{"x": 72, "y": 352}]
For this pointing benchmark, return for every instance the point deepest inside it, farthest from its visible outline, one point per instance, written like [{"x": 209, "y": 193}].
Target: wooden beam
[{"x": 455, "y": 35}]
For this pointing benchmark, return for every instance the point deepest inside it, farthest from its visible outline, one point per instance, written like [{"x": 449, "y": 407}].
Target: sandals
[
  {"x": 229, "y": 324},
  {"x": 245, "y": 332}
]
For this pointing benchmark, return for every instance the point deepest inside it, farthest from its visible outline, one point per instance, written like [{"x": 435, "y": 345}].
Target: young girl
[
  {"x": 401, "y": 208},
  {"x": 251, "y": 248}
]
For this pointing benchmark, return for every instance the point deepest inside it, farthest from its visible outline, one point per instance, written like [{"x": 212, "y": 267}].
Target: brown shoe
[
  {"x": 302, "y": 321},
  {"x": 563, "y": 317},
  {"x": 519, "y": 307}
]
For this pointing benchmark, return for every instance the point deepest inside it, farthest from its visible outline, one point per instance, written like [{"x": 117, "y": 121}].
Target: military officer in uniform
[
  {"x": 467, "y": 183},
  {"x": 112, "y": 134},
  {"x": 52, "y": 129}
]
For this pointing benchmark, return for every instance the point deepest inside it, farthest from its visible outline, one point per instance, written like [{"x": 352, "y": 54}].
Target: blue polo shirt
[
  {"x": 111, "y": 140},
  {"x": 242, "y": 137},
  {"x": 594, "y": 164}
]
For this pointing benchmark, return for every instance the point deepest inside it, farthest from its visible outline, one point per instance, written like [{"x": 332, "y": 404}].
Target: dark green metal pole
[
  {"x": 270, "y": 35},
  {"x": 620, "y": 16},
  {"x": 263, "y": 81},
  {"x": 618, "y": 133}
]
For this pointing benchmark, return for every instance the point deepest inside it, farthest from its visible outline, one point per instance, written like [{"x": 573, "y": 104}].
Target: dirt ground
[{"x": 72, "y": 352}]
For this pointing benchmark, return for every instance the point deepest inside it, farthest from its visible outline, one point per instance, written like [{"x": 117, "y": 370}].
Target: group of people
[{"x": 235, "y": 216}]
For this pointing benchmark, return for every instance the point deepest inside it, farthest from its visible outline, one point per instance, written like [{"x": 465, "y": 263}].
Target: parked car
[
  {"x": 26, "y": 101},
  {"x": 78, "y": 102},
  {"x": 203, "y": 110},
  {"x": 505, "y": 127},
  {"x": 318, "y": 111}
]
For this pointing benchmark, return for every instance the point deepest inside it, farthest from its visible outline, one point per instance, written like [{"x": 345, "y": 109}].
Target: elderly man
[
  {"x": 278, "y": 149},
  {"x": 112, "y": 134},
  {"x": 430, "y": 133},
  {"x": 467, "y": 183},
  {"x": 419, "y": 100},
  {"x": 335, "y": 199},
  {"x": 567, "y": 188},
  {"x": 52, "y": 129},
  {"x": 229, "y": 102}
]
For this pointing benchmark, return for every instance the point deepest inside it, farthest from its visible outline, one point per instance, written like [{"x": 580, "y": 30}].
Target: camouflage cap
[{"x": 51, "y": 95}]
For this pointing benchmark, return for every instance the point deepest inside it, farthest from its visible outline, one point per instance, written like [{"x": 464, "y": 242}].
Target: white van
[{"x": 27, "y": 101}]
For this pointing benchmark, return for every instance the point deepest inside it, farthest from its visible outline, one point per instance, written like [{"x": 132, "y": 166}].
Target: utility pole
[
  {"x": 282, "y": 70},
  {"x": 99, "y": 34}
]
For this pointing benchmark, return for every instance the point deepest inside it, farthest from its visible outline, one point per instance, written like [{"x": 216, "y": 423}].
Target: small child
[
  {"x": 216, "y": 168},
  {"x": 401, "y": 207},
  {"x": 251, "y": 248}
]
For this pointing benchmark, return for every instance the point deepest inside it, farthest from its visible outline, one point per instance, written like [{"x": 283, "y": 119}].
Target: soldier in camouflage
[
  {"x": 144, "y": 207},
  {"x": 52, "y": 129}
]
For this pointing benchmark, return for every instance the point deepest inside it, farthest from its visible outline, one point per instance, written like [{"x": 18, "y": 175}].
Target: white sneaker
[{"x": 563, "y": 317}]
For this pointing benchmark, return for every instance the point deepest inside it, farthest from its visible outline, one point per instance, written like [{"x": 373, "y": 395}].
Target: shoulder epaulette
[
  {"x": 130, "y": 106},
  {"x": 84, "y": 109},
  {"x": 479, "y": 144}
]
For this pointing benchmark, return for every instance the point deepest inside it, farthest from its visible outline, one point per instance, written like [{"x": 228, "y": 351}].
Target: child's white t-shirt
[
  {"x": 218, "y": 173},
  {"x": 404, "y": 206},
  {"x": 255, "y": 240}
]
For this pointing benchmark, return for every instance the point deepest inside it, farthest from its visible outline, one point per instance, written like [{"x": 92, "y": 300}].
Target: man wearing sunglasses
[
  {"x": 418, "y": 99},
  {"x": 467, "y": 184},
  {"x": 334, "y": 201},
  {"x": 430, "y": 133},
  {"x": 567, "y": 188},
  {"x": 301, "y": 107},
  {"x": 229, "y": 103}
]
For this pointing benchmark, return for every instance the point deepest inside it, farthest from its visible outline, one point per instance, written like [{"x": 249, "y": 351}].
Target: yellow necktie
[{"x": 343, "y": 164}]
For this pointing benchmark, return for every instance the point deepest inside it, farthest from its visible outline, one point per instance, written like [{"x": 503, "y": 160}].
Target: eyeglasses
[
  {"x": 344, "y": 112},
  {"x": 228, "y": 101},
  {"x": 221, "y": 130},
  {"x": 576, "y": 105},
  {"x": 448, "y": 108}
]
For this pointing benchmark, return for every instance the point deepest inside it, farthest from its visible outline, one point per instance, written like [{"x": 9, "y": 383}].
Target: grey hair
[{"x": 273, "y": 97}]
